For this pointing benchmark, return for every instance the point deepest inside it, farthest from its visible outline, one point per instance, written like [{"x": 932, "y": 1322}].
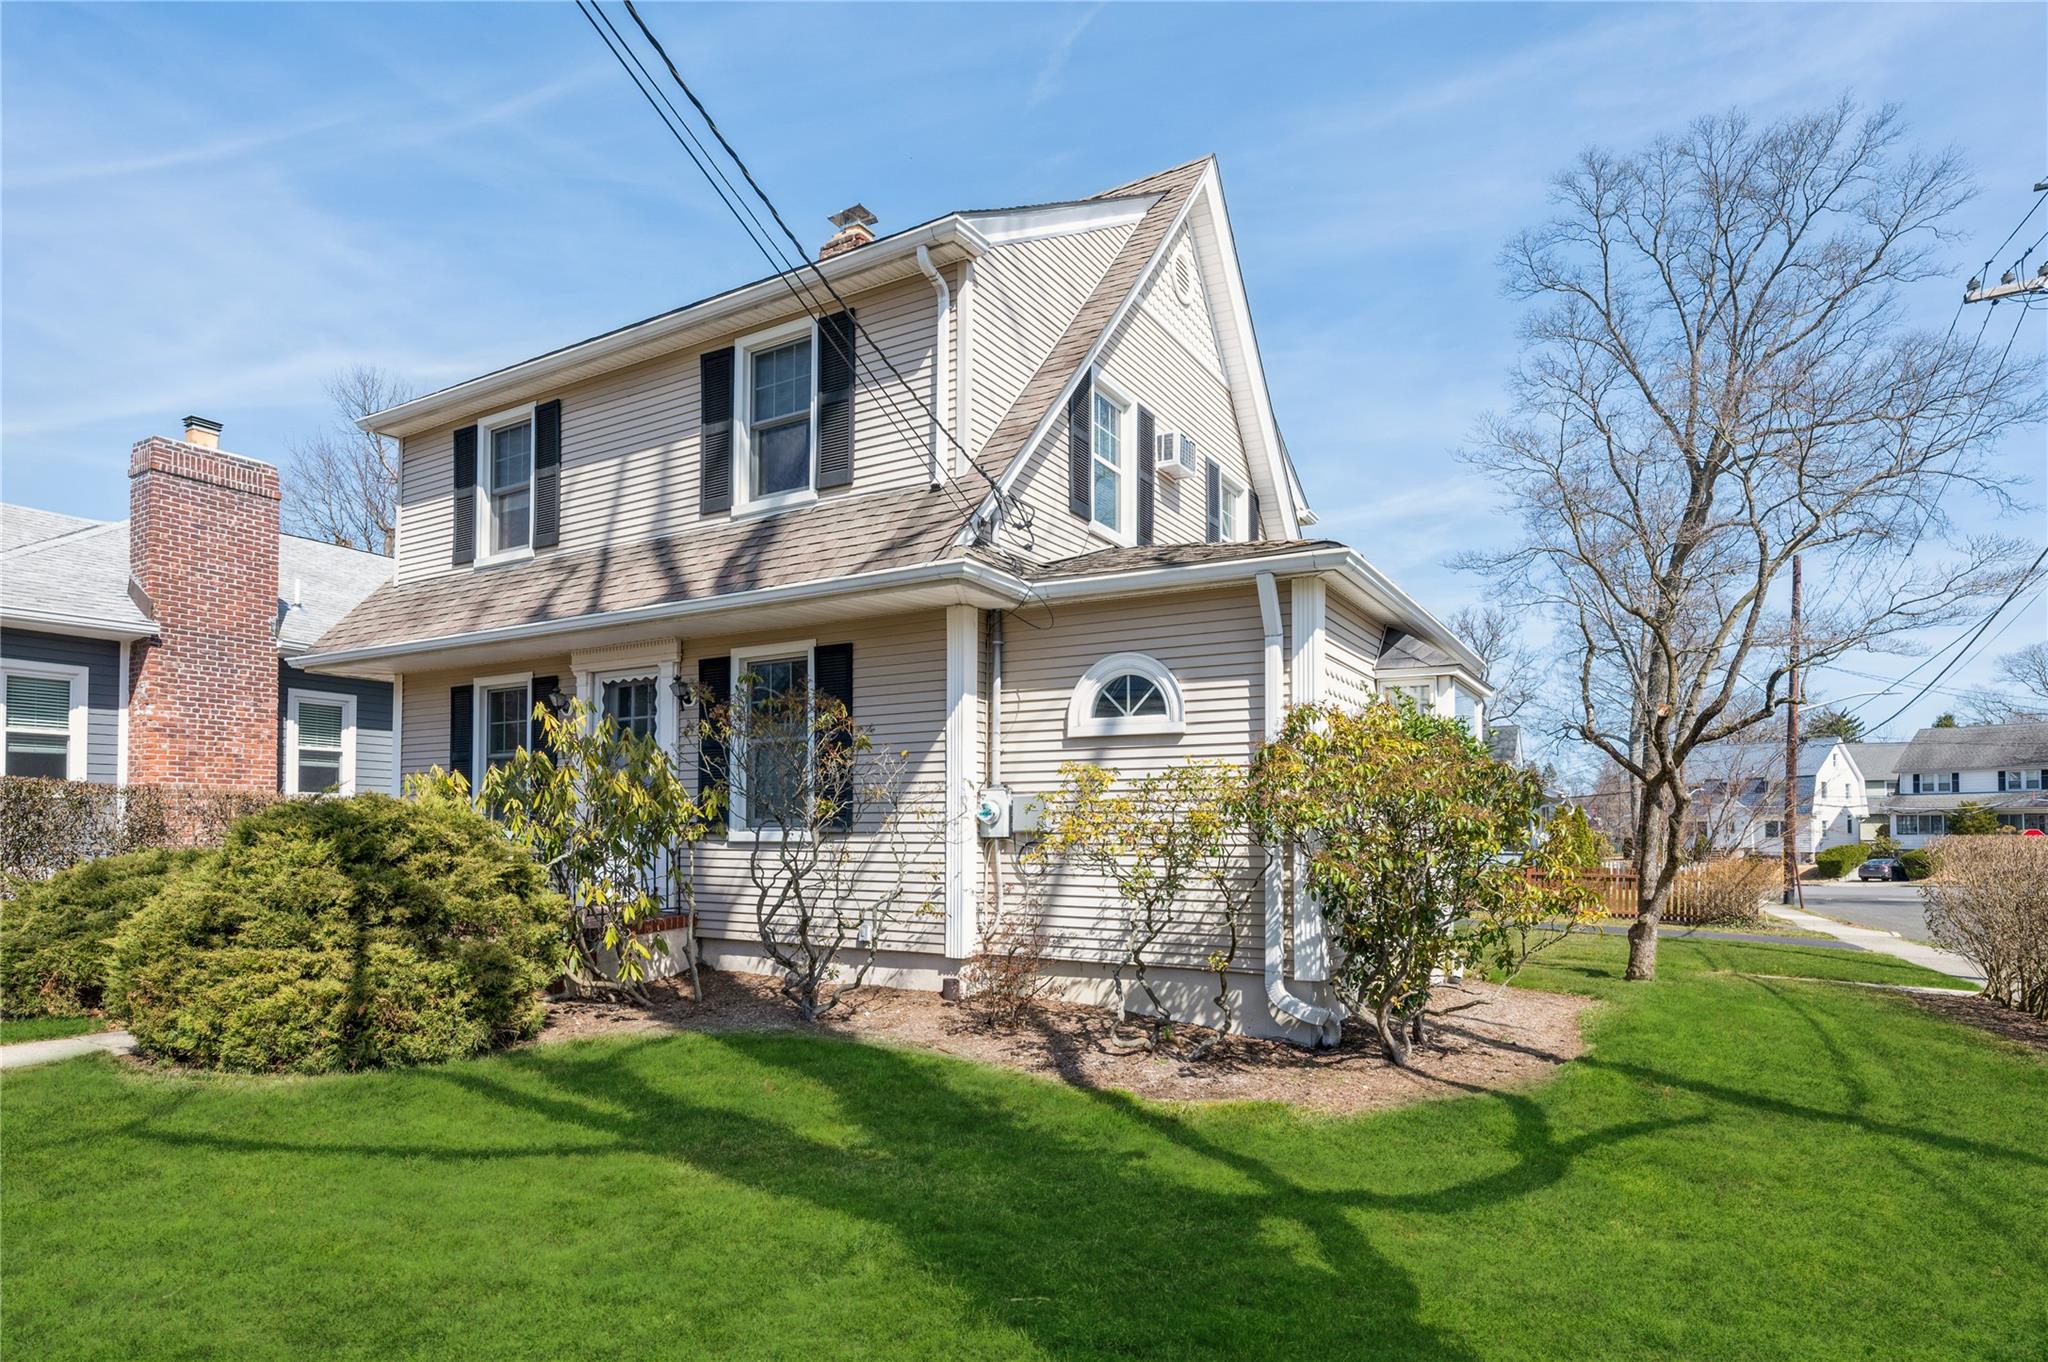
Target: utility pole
[
  {"x": 2010, "y": 284},
  {"x": 1789, "y": 843}
]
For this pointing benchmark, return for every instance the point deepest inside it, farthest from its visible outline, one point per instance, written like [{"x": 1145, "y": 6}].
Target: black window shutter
[
  {"x": 547, "y": 474},
  {"x": 714, "y": 431},
  {"x": 543, "y": 688},
  {"x": 835, "y": 400},
  {"x": 1258, "y": 528},
  {"x": 832, "y": 676},
  {"x": 465, "y": 495},
  {"x": 462, "y": 732},
  {"x": 1080, "y": 410},
  {"x": 1146, "y": 457},
  {"x": 714, "y": 691},
  {"x": 1214, "y": 512}
]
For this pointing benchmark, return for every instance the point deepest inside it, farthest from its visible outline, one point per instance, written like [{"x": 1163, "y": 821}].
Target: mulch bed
[
  {"x": 1481, "y": 1039},
  {"x": 1972, "y": 1009}
]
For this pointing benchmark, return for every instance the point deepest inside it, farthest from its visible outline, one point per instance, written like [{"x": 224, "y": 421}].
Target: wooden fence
[{"x": 1702, "y": 894}]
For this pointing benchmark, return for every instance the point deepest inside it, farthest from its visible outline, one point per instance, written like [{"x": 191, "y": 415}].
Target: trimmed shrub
[
  {"x": 1835, "y": 862},
  {"x": 1919, "y": 865},
  {"x": 1988, "y": 900},
  {"x": 342, "y": 934},
  {"x": 55, "y": 936}
]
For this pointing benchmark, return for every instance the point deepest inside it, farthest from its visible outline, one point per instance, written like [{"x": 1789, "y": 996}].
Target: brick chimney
[
  {"x": 202, "y": 545},
  {"x": 856, "y": 229}
]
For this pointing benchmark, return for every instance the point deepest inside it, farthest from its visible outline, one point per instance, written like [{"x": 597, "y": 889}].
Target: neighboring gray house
[
  {"x": 2003, "y": 767},
  {"x": 106, "y": 681}
]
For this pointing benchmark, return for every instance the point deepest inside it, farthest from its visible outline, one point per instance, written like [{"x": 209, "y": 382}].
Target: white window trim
[
  {"x": 1126, "y": 534},
  {"x": 1081, "y": 720},
  {"x": 744, "y": 502},
  {"x": 510, "y": 417},
  {"x": 479, "y": 727},
  {"x": 347, "y": 785},
  {"x": 736, "y": 829},
  {"x": 80, "y": 712},
  {"x": 1240, "y": 531}
]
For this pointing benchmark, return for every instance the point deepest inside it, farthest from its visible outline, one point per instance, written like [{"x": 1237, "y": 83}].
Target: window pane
[
  {"x": 630, "y": 704},
  {"x": 1145, "y": 697},
  {"x": 782, "y": 381},
  {"x": 1107, "y": 434},
  {"x": 1127, "y": 694},
  {"x": 1227, "y": 513},
  {"x": 782, "y": 458},
  {"x": 319, "y": 726},
  {"x": 38, "y": 702},
  {"x": 318, "y": 773},
  {"x": 511, "y": 521},
  {"x": 1106, "y": 498},
  {"x": 511, "y": 456},
  {"x": 505, "y": 721},
  {"x": 37, "y": 754}
]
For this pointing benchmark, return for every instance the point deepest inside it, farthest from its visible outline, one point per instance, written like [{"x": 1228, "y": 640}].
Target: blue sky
[{"x": 211, "y": 208}]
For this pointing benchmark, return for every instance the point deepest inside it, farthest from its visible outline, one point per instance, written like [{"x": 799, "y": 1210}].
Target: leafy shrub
[
  {"x": 1917, "y": 863},
  {"x": 1835, "y": 862},
  {"x": 341, "y": 933},
  {"x": 51, "y": 825},
  {"x": 54, "y": 939},
  {"x": 1988, "y": 900}
]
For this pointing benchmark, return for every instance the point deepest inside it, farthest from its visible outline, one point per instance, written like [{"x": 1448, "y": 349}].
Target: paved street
[{"x": 1888, "y": 907}]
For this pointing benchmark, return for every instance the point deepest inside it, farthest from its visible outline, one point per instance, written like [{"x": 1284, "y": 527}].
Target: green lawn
[
  {"x": 46, "y": 1028},
  {"x": 1741, "y": 1168}
]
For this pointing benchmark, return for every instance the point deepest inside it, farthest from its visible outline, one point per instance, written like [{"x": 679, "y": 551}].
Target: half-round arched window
[{"x": 1123, "y": 695}]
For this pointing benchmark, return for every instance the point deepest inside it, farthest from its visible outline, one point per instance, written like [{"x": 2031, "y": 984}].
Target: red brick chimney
[
  {"x": 202, "y": 544},
  {"x": 856, "y": 229}
]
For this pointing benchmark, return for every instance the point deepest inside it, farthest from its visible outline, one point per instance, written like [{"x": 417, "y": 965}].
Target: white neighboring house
[
  {"x": 1740, "y": 796},
  {"x": 2003, "y": 767}
]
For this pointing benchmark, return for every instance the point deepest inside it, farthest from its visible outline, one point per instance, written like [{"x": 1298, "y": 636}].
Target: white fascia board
[
  {"x": 1244, "y": 350},
  {"x": 79, "y": 626},
  {"x": 643, "y": 340},
  {"x": 1033, "y": 224},
  {"x": 978, "y": 583}
]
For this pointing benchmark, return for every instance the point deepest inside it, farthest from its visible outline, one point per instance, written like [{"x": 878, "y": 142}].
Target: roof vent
[{"x": 856, "y": 229}]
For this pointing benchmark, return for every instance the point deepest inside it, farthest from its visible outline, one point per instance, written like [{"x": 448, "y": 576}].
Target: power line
[{"x": 2026, "y": 580}]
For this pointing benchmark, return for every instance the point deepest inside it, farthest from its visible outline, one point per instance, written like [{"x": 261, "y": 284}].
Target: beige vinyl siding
[
  {"x": 899, "y": 695},
  {"x": 424, "y": 738},
  {"x": 1023, "y": 299},
  {"x": 1213, "y": 644},
  {"x": 1157, "y": 369},
  {"x": 629, "y": 441},
  {"x": 1351, "y": 644}
]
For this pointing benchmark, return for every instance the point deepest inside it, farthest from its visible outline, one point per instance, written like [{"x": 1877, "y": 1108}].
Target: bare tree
[
  {"x": 1717, "y": 379},
  {"x": 343, "y": 483},
  {"x": 2024, "y": 676},
  {"x": 1513, "y": 669}
]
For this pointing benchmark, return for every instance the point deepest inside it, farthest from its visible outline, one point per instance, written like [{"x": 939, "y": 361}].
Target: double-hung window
[
  {"x": 506, "y": 454},
  {"x": 1107, "y": 445},
  {"x": 2020, "y": 780},
  {"x": 507, "y": 713},
  {"x": 772, "y": 759},
  {"x": 44, "y": 716},
  {"x": 320, "y": 732},
  {"x": 1231, "y": 512},
  {"x": 629, "y": 702},
  {"x": 778, "y": 385},
  {"x": 1945, "y": 782}
]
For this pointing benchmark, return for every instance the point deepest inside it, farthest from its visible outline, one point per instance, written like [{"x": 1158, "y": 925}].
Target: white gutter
[
  {"x": 121, "y": 718},
  {"x": 941, "y": 353},
  {"x": 83, "y": 626},
  {"x": 1287, "y": 1009},
  {"x": 967, "y": 572}
]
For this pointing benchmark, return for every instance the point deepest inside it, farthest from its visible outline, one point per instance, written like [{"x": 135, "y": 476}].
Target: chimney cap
[
  {"x": 857, "y": 215},
  {"x": 193, "y": 423}
]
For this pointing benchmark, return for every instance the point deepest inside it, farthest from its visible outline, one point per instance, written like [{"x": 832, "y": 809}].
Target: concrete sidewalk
[
  {"x": 1884, "y": 943},
  {"x": 24, "y": 1053}
]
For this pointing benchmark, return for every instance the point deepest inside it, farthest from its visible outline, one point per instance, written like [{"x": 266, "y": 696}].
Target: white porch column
[
  {"x": 963, "y": 767},
  {"x": 1305, "y": 686}
]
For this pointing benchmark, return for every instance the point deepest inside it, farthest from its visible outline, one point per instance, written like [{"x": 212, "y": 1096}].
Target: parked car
[{"x": 1881, "y": 868}]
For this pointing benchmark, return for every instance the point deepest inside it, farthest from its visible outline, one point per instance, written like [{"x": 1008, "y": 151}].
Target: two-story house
[
  {"x": 1012, "y": 488},
  {"x": 2001, "y": 767},
  {"x": 1739, "y": 796}
]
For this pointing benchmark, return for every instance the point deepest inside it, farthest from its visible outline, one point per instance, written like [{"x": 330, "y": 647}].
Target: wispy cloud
[
  {"x": 174, "y": 158},
  {"x": 1054, "y": 70}
]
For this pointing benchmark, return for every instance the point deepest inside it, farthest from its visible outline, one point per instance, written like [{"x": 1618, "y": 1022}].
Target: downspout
[
  {"x": 1287, "y": 1009},
  {"x": 941, "y": 357},
  {"x": 995, "y": 759}
]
